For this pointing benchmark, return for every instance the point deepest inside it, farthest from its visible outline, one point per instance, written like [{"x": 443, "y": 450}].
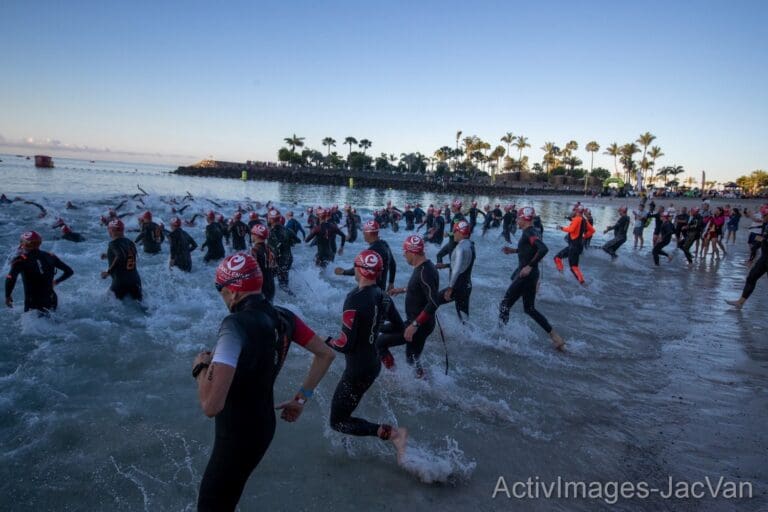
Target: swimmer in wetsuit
[
  {"x": 71, "y": 236},
  {"x": 421, "y": 303},
  {"x": 760, "y": 267},
  {"x": 691, "y": 233},
  {"x": 235, "y": 384},
  {"x": 530, "y": 251},
  {"x": 281, "y": 240},
  {"x": 365, "y": 310},
  {"x": 666, "y": 231},
  {"x": 265, "y": 258},
  {"x": 386, "y": 278},
  {"x": 214, "y": 239},
  {"x": 474, "y": 211},
  {"x": 238, "y": 231},
  {"x": 182, "y": 245},
  {"x": 121, "y": 257},
  {"x": 577, "y": 231},
  {"x": 460, "y": 282},
  {"x": 150, "y": 235},
  {"x": 325, "y": 233},
  {"x": 619, "y": 233},
  {"x": 38, "y": 273}
]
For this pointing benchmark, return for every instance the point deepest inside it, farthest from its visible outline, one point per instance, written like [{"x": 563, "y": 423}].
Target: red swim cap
[
  {"x": 237, "y": 216},
  {"x": 211, "y": 216},
  {"x": 31, "y": 238},
  {"x": 260, "y": 230},
  {"x": 414, "y": 244},
  {"x": 240, "y": 273},
  {"x": 371, "y": 226},
  {"x": 147, "y": 216},
  {"x": 526, "y": 213},
  {"x": 462, "y": 227},
  {"x": 457, "y": 203},
  {"x": 253, "y": 216},
  {"x": 369, "y": 264},
  {"x": 273, "y": 215},
  {"x": 116, "y": 225},
  {"x": 175, "y": 222},
  {"x": 65, "y": 229}
]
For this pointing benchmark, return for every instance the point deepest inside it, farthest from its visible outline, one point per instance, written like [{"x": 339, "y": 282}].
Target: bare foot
[
  {"x": 558, "y": 341},
  {"x": 399, "y": 438},
  {"x": 735, "y": 303}
]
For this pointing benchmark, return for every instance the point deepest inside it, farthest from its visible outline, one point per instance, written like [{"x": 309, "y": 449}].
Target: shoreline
[{"x": 372, "y": 179}]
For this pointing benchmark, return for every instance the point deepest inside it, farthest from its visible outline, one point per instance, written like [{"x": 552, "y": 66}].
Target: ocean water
[{"x": 98, "y": 411}]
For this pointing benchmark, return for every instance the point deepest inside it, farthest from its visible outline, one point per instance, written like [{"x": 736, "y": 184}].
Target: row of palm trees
[{"x": 471, "y": 153}]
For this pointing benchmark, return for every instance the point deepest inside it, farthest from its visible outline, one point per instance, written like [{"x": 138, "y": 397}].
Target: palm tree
[
  {"x": 521, "y": 143},
  {"x": 645, "y": 165},
  {"x": 458, "y": 136},
  {"x": 655, "y": 153},
  {"x": 645, "y": 140},
  {"x": 550, "y": 155},
  {"x": 365, "y": 144},
  {"x": 294, "y": 142},
  {"x": 496, "y": 155},
  {"x": 569, "y": 148},
  {"x": 592, "y": 147},
  {"x": 614, "y": 151},
  {"x": 329, "y": 141},
  {"x": 508, "y": 139},
  {"x": 350, "y": 141},
  {"x": 627, "y": 152}
]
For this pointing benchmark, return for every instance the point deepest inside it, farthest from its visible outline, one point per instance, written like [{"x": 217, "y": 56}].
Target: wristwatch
[
  {"x": 415, "y": 324},
  {"x": 300, "y": 399}
]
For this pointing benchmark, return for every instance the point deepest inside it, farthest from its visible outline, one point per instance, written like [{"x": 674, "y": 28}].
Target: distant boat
[
  {"x": 43, "y": 161},
  {"x": 93, "y": 161},
  {"x": 27, "y": 158}
]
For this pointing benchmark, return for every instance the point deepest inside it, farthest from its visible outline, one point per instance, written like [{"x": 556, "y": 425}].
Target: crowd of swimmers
[{"x": 235, "y": 380}]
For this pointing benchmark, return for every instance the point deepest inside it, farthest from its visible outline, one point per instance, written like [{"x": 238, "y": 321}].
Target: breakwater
[{"x": 505, "y": 184}]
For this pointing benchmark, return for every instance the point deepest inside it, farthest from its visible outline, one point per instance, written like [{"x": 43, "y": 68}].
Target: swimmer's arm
[{"x": 212, "y": 387}]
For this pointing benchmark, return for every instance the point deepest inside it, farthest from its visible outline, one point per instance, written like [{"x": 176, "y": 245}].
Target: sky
[{"x": 181, "y": 81}]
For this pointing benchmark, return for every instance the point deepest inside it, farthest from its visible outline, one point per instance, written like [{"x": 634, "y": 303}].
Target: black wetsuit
[
  {"x": 429, "y": 222},
  {"x": 680, "y": 222},
  {"x": 462, "y": 287},
  {"x": 438, "y": 231},
  {"x": 238, "y": 230},
  {"x": 619, "y": 236},
  {"x": 418, "y": 215},
  {"x": 295, "y": 226},
  {"x": 421, "y": 302},
  {"x": 506, "y": 226},
  {"x": 530, "y": 251},
  {"x": 410, "y": 218},
  {"x": 214, "y": 242},
  {"x": 266, "y": 259},
  {"x": 473, "y": 213},
  {"x": 496, "y": 217},
  {"x": 121, "y": 257},
  {"x": 325, "y": 233},
  {"x": 487, "y": 222},
  {"x": 246, "y": 425},
  {"x": 182, "y": 246},
  {"x": 389, "y": 269},
  {"x": 73, "y": 237},
  {"x": 666, "y": 231},
  {"x": 37, "y": 269},
  {"x": 224, "y": 227},
  {"x": 759, "y": 267},
  {"x": 351, "y": 224},
  {"x": 151, "y": 236},
  {"x": 692, "y": 232},
  {"x": 281, "y": 240},
  {"x": 365, "y": 311}
]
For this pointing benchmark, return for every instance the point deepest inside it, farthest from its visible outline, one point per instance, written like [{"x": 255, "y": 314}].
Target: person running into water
[
  {"x": 38, "y": 274},
  {"x": 530, "y": 251},
  {"x": 235, "y": 384},
  {"x": 281, "y": 241},
  {"x": 436, "y": 232},
  {"x": 238, "y": 231},
  {"x": 691, "y": 233},
  {"x": 759, "y": 267},
  {"x": 508, "y": 223},
  {"x": 487, "y": 219},
  {"x": 121, "y": 257},
  {"x": 577, "y": 231},
  {"x": 386, "y": 278},
  {"x": 421, "y": 303},
  {"x": 732, "y": 225},
  {"x": 409, "y": 217},
  {"x": 474, "y": 211},
  {"x": 641, "y": 217},
  {"x": 214, "y": 239},
  {"x": 666, "y": 231},
  {"x": 619, "y": 233},
  {"x": 350, "y": 222},
  {"x": 265, "y": 258},
  {"x": 150, "y": 234},
  {"x": 365, "y": 310},
  {"x": 182, "y": 245},
  {"x": 713, "y": 233},
  {"x": 460, "y": 281},
  {"x": 325, "y": 233}
]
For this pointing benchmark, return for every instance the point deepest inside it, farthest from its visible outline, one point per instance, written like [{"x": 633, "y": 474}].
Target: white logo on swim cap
[
  {"x": 370, "y": 260},
  {"x": 236, "y": 262}
]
